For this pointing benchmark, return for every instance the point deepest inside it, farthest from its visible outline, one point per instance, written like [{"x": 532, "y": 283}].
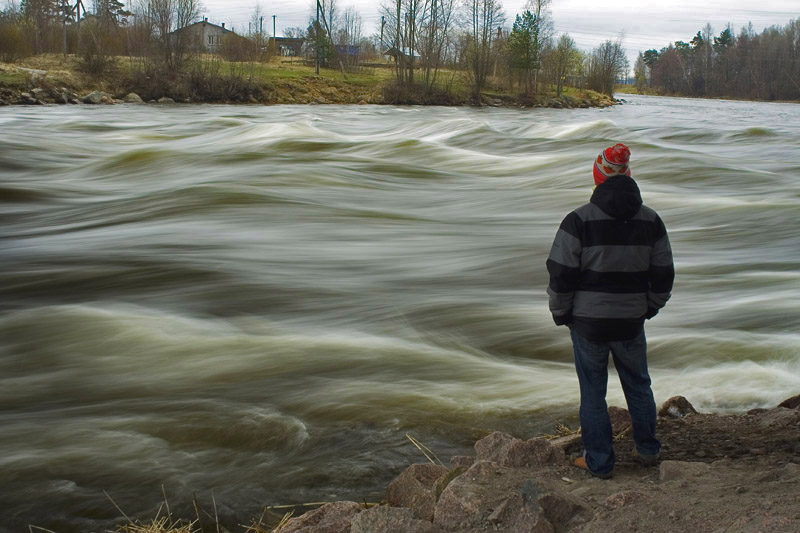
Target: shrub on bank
[{"x": 15, "y": 44}]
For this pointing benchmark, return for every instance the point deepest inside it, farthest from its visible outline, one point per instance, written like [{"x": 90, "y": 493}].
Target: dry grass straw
[
  {"x": 561, "y": 430},
  {"x": 260, "y": 527},
  {"x": 427, "y": 452},
  {"x": 159, "y": 524}
]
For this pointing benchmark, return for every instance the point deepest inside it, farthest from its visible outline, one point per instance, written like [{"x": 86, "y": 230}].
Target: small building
[
  {"x": 348, "y": 53},
  {"x": 290, "y": 46},
  {"x": 397, "y": 53},
  {"x": 203, "y": 35}
]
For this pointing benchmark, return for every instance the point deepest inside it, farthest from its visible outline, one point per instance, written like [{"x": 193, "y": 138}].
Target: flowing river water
[{"x": 259, "y": 303}]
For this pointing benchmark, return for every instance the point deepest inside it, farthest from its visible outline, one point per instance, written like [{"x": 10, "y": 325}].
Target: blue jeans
[{"x": 630, "y": 360}]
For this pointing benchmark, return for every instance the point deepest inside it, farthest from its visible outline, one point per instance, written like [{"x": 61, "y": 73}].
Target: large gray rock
[
  {"x": 415, "y": 489},
  {"x": 166, "y": 100},
  {"x": 779, "y": 416},
  {"x": 94, "y": 97},
  {"x": 133, "y": 98},
  {"x": 462, "y": 461},
  {"x": 506, "y": 450},
  {"x": 389, "y": 519},
  {"x": 334, "y": 517},
  {"x": 480, "y": 499}
]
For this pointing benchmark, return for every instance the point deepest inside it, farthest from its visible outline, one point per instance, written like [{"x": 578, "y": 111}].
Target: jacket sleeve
[
  {"x": 564, "y": 267},
  {"x": 662, "y": 271}
]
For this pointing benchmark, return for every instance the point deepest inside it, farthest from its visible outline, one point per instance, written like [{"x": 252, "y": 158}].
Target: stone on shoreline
[
  {"x": 415, "y": 489},
  {"x": 506, "y": 450},
  {"x": 791, "y": 403},
  {"x": 489, "y": 496},
  {"x": 133, "y": 98},
  {"x": 94, "y": 98},
  {"x": 165, "y": 100},
  {"x": 385, "y": 518},
  {"x": 677, "y": 407},
  {"x": 330, "y": 518}
]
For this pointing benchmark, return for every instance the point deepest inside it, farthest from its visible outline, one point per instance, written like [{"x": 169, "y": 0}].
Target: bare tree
[
  {"x": 434, "y": 29},
  {"x": 258, "y": 36},
  {"x": 563, "y": 60},
  {"x": 349, "y": 33},
  {"x": 295, "y": 32},
  {"x": 544, "y": 29},
  {"x": 607, "y": 64},
  {"x": 484, "y": 16},
  {"x": 170, "y": 15}
]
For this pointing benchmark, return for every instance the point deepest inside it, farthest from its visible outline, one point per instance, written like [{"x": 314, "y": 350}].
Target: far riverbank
[{"x": 54, "y": 79}]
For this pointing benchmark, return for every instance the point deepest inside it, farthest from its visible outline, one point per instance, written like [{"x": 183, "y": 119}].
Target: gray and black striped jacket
[{"x": 610, "y": 265}]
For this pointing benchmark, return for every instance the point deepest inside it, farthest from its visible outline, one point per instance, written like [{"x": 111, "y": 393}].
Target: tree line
[
  {"x": 431, "y": 40},
  {"x": 761, "y": 66},
  {"x": 434, "y": 43}
]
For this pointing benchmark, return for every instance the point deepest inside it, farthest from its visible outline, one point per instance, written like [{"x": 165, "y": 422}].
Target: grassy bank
[{"x": 209, "y": 79}]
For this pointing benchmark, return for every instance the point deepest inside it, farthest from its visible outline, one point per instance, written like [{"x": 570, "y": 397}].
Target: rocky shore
[
  {"x": 37, "y": 86},
  {"x": 718, "y": 473},
  {"x": 64, "y": 95}
]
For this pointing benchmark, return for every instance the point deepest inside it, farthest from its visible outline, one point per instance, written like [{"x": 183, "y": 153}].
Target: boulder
[
  {"x": 94, "y": 97},
  {"x": 791, "y": 403},
  {"x": 166, "y": 100},
  {"x": 107, "y": 100},
  {"x": 415, "y": 489},
  {"x": 476, "y": 501},
  {"x": 506, "y": 450},
  {"x": 133, "y": 98},
  {"x": 461, "y": 461},
  {"x": 779, "y": 416},
  {"x": 334, "y": 517},
  {"x": 680, "y": 470},
  {"x": 677, "y": 407},
  {"x": 567, "y": 441},
  {"x": 385, "y": 518},
  {"x": 39, "y": 93}
]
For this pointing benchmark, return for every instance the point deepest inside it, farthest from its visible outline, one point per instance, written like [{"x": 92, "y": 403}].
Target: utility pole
[
  {"x": 316, "y": 35},
  {"x": 383, "y": 23},
  {"x": 274, "y": 42},
  {"x": 77, "y": 8}
]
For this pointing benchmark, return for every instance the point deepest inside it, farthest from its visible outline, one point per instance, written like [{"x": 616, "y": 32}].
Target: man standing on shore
[{"x": 610, "y": 269}]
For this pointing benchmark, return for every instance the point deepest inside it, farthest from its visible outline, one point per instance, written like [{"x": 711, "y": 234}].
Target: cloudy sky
[{"x": 644, "y": 24}]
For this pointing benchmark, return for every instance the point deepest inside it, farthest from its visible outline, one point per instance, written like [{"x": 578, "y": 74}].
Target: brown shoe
[
  {"x": 580, "y": 462},
  {"x": 644, "y": 459}
]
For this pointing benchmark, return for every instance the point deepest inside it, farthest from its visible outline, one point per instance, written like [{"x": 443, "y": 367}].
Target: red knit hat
[{"x": 612, "y": 161}]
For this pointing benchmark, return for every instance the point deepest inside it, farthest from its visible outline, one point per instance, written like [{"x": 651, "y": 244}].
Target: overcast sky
[{"x": 644, "y": 24}]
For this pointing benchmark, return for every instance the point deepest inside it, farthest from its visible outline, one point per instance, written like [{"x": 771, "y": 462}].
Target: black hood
[{"x": 618, "y": 197}]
